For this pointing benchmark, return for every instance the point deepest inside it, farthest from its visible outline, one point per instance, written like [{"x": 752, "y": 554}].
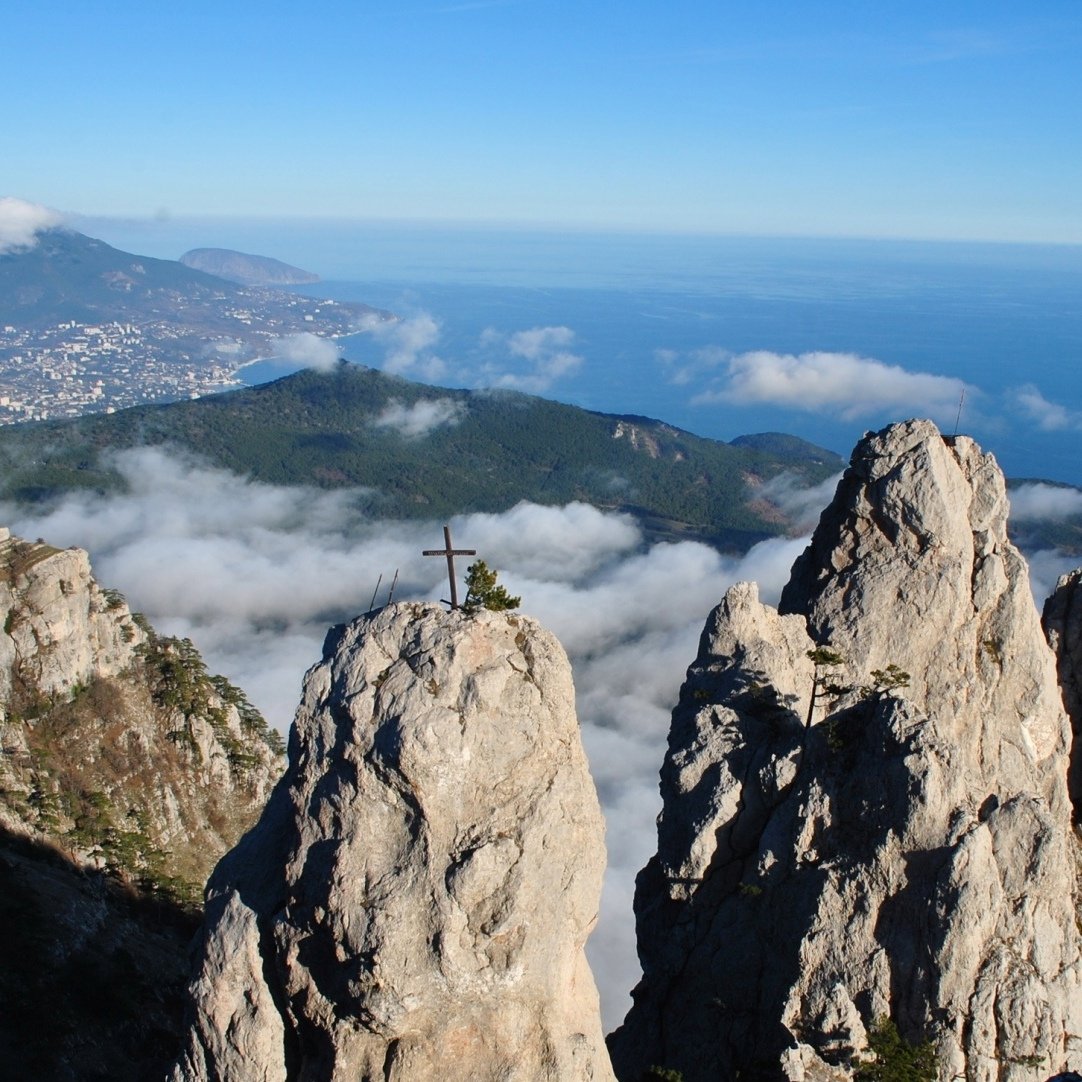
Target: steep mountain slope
[
  {"x": 1062, "y": 623},
  {"x": 117, "y": 744},
  {"x": 126, "y": 770},
  {"x": 865, "y": 803},
  {"x": 426, "y": 452},
  {"x": 92, "y": 972}
]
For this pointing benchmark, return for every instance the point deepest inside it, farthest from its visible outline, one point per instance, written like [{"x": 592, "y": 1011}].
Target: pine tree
[{"x": 482, "y": 592}]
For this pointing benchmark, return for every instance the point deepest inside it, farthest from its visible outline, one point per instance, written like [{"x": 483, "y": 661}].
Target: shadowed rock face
[
  {"x": 1062, "y": 621},
  {"x": 909, "y": 853},
  {"x": 415, "y": 900}
]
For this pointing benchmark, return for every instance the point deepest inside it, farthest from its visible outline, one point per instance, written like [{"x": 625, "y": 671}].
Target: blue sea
[{"x": 653, "y": 323}]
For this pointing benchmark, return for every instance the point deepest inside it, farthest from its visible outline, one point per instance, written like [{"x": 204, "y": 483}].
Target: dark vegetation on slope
[
  {"x": 92, "y": 972},
  {"x": 70, "y": 276},
  {"x": 502, "y": 447}
]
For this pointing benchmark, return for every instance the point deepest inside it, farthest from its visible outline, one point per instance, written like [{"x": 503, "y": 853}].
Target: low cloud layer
[
  {"x": 1040, "y": 502},
  {"x": 255, "y": 573},
  {"x": 21, "y": 222},
  {"x": 800, "y": 504},
  {"x": 418, "y": 420},
  {"x": 843, "y": 384},
  {"x": 306, "y": 349}
]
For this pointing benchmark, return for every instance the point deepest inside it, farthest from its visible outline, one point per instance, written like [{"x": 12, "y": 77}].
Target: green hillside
[
  {"x": 70, "y": 276},
  {"x": 498, "y": 448}
]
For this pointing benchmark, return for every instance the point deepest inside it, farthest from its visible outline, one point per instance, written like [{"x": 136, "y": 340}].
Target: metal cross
[{"x": 450, "y": 553}]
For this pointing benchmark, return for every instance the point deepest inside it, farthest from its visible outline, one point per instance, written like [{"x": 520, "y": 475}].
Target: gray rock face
[
  {"x": 58, "y": 624},
  {"x": 909, "y": 853},
  {"x": 414, "y": 902},
  {"x": 117, "y": 744},
  {"x": 1062, "y": 620}
]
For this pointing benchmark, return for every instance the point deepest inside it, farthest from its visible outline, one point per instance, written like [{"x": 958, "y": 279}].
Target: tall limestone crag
[
  {"x": 909, "y": 853},
  {"x": 414, "y": 902},
  {"x": 1062, "y": 620}
]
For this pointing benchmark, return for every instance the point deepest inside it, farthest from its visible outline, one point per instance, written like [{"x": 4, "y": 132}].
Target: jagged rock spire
[
  {"x": 909, "y": 855},
  {"x": 414, "y": 903}
]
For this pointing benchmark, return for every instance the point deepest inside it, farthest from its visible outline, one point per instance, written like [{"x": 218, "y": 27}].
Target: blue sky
[{"x": 944, "y": 120}]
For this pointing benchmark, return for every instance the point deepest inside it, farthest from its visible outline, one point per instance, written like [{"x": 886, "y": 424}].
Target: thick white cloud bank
[
  {"x": 842, "y": 383},
  {"x": 1038, "y": 501},
  {"x": 21, "y": 222},
  {"x": 307, "y": 349},
  {"x": 255, "y": 574}
]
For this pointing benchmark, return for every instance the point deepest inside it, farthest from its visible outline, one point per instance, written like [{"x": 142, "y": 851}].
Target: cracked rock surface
[
  {"x": 414, "y": 903},
  {"x": 901, "y": 852}
]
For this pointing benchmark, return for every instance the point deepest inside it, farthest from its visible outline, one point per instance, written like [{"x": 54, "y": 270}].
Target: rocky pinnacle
[
  {"x": 414, "y": 903},
  {"x": 844, "y": 842}
]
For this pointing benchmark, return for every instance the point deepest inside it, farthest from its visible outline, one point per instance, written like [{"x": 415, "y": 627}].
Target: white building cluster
[{"x": 71, "y": 368}]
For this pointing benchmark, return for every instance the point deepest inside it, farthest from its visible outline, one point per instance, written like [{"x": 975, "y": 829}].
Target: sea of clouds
[{"x": 256, "y": 573}]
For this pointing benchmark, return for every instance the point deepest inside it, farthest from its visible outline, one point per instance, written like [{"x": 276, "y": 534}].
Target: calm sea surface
[{"x": 652, "y": 319}]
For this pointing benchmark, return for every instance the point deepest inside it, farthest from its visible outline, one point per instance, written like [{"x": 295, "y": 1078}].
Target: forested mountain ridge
[{"x": 420, "y": 451}]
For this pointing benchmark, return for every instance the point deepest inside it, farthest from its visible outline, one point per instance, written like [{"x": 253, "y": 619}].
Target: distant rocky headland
[{"x": 246, "y": 269}]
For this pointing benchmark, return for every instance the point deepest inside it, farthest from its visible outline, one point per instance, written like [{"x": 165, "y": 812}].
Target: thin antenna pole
[
  {"x": 372, "y": 603},
  {"x": 394, "y": 583},
  {"x": 958, "y": 419}
]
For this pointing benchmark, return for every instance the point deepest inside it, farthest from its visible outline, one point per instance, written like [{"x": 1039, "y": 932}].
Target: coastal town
[{"x": 71, "y": 368}]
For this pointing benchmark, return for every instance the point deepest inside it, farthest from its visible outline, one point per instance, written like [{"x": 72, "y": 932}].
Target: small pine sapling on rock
[{"x": 482, "y": 591}]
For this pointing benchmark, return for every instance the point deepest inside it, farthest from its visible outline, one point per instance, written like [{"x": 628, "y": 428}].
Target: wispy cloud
[
  {"x": 842, "y": 384},
  {"x": 21, "y": 222},
  {"x": 423, "y": 417},
  {"x": 1047, "y": 416},
  {"x": 532, "y": 360},
  {"x": 307, "y": 349},
  {"x": 409, "y": 344},
  {"x": 801, "y": 504}
]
